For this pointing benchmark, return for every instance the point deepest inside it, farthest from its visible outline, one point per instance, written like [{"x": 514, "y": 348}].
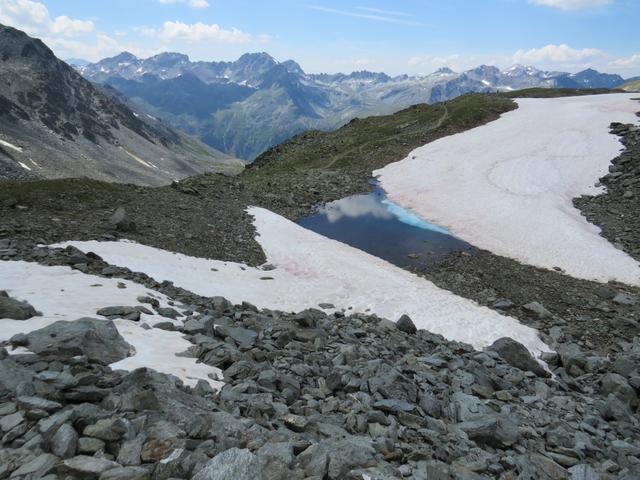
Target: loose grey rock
[
  {"x": 36, "y": 468},
  {"x": 406, "y": 325},
  {"x": 127, "y": 473},
  {"x": 493, "y": 430},
  {"x": 627, "y": 299},
  {"x": 15, "y": 309},
  {"x": 91, "y": 445},
  {"x": 38, "y": 403},
  {"x": 517, "y": 355},
  {"x": 121, "y": 222},
  {"x": 128, "y": 313},
  {"x": 538, "y": 309},
  {"x": 583, "y": 472},
  {"x": 168, "y": 312},
  {"x": 87, "y": 467},
  {"x": 64, "y": 443},
  {"x": 98, "y": 340},
  {"x": 232, "y": 464},
  {"x": 242, "y": 336},
  {"x": 8, "y": 422}
]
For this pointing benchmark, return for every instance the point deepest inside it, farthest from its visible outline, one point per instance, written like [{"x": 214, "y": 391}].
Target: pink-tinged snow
[
  {"x": 312, "y": 269},
  {"x": 508, "y": 186},
  {"x": 61, "y": 293}
]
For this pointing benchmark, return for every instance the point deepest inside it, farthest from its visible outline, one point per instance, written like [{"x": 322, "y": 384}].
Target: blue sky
[{"x": 402, "y": 36}]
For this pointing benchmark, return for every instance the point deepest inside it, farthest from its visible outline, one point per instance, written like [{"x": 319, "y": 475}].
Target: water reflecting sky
[{"x": 372, "y": 223}]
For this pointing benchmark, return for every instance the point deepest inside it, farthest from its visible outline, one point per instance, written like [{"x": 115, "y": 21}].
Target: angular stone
[
  {"x": 296, "y": 423},
  {"x": 232, "y": 464},
  {"x": 91, "y": 445},
  {"x": 15, "y": 309},
  {"x": 120, "y": 221},
  {"x": 583, "y": 472},
  {"x": 517, "y": 355},
  {"x": 36, "y": 468},
  {"x": 83, "y": 466},
  {"x": 38, "y": 403},
  {"x": 108, "y": 429},
  {"x": 626, "y": 299},
  {"x": 538, "y": 309},
  {"x": 127, "y": 473},
  {"x": 64, "y": 443},
  {"x": 9, "y": 422},
  {"x": 130, "y": 451},
  {"x": 128, "y": 313},
  {"x": 492, "y": 430},
  {"x": 406, "y": 325},
  {"x": 98, "y": 340},
  {"x": 242, "y": 336}
]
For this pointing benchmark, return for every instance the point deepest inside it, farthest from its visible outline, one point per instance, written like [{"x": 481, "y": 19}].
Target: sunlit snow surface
[
  {"x": 60, "y": 293},
  {"x": 312, "y": 269},
  {"x": 508, "y": 186}
]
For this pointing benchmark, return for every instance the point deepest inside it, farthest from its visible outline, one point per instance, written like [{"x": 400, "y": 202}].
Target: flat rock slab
[{"x": 98, "y": 340}]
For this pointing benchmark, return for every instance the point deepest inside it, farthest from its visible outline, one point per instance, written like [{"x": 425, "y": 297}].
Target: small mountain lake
[{"x": 372, "y": 223}]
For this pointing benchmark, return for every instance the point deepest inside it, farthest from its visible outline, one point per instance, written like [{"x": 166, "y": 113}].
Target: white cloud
[
  {"x": 556, "y": 54},
  {"x": 197, "y": 32},
  {"x": 632, "y": 61},
  {"x": 192, "y": 3},
  {"x": 367, "y": 13},
  {"x": 572, "y": 4},
  {"x": 34, "y": 18}
]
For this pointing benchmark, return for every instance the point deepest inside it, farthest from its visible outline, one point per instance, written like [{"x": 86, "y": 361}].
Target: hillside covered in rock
[{"x": 56, "y": 124}]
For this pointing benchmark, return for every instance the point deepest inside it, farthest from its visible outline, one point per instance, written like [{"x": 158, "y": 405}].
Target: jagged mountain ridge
[
  {"x": 245, "y": 107},
  {"x": 54, "y": 123}
]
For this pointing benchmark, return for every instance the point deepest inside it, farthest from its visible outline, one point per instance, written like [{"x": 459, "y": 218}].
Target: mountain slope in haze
[
  {"x": 247, "y": 106},
  {"x": 54, "y": 123},
  {"x": 633, "y": 85}
]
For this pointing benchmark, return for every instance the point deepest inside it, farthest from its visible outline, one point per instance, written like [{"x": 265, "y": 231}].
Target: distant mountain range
[
  {"x": 54, "y": 123},
  {"x": 247, "y": 106}
]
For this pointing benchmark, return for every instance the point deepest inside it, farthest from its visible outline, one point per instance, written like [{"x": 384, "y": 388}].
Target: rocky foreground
[{"x": 307, "y": 396}]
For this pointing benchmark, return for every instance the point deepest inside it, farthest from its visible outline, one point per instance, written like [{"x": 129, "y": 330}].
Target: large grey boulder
[
  {"x": 406, "y": 325},
  {"x": 517, "y": 355},
  {"x": 120, "y": 221},
  {"x": 15, "y": 309},
  {"x": 232, "y": 464},
  {"x": 98, "y": 340}
]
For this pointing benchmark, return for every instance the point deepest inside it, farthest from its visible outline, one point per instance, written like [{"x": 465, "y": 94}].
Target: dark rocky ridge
[{"x": 65, "y": 126}]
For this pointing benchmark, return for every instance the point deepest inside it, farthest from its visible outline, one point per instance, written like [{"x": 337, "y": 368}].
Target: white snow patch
[
  {"x": 312, "y": 269},
  {"x": 139, "y": 160},
  {"x": 61, "y": 293},
  {"x": 10, "y": 145},
  {"x": 25, "y": 166},
  {"x": 508, "y": 186}
]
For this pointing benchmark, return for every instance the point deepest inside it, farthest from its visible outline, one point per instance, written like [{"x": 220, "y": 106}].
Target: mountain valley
[
  {"x": 247, "y": 106},
  {"x": 54, "y": 123}
]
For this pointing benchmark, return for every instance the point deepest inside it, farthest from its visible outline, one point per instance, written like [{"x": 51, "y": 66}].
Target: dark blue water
[{"x": 375, "y": 225}]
